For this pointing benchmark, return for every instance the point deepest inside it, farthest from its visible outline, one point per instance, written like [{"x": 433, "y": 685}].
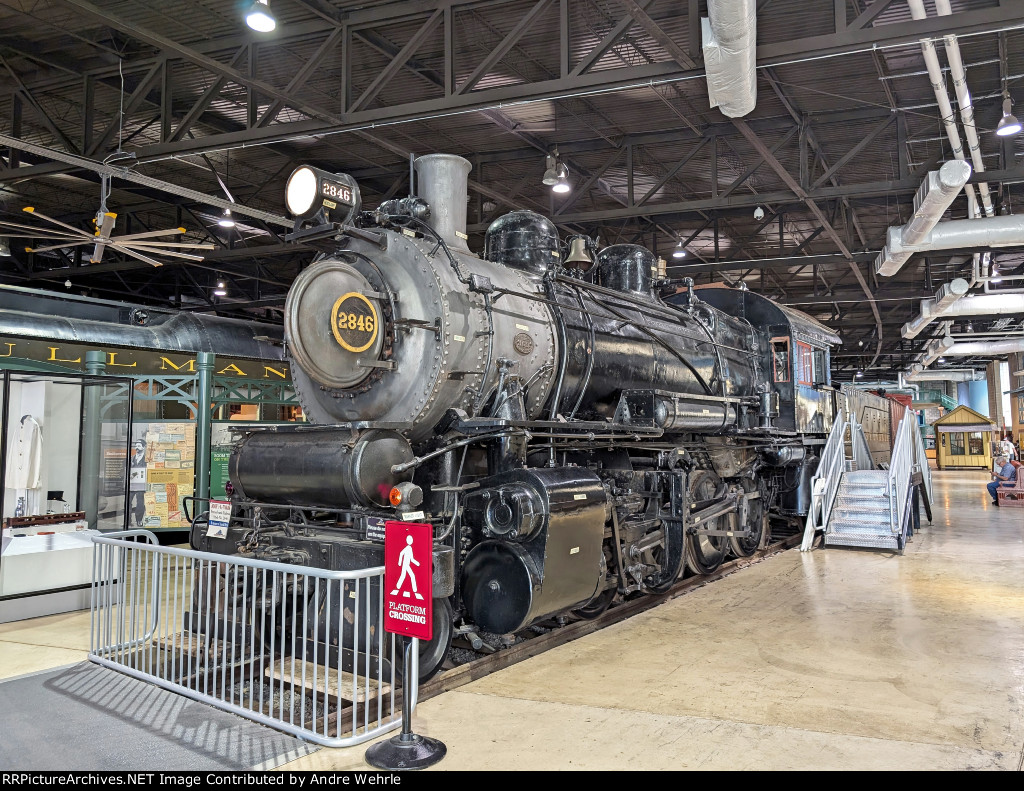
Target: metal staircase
[{"x": 859, "y": 506}]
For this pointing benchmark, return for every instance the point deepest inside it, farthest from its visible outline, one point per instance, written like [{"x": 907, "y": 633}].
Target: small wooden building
[{"x": 964, "y": 439}]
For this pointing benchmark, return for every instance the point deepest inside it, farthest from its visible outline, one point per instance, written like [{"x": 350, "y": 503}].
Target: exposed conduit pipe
[
  {"x": 938, "y": 190},
  {"x": 931, "y": 62},
  {"x": 728, "y": 38},
  {"x": 963, "y": 98}
]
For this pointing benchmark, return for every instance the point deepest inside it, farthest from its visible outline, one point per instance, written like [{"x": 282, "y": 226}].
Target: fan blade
[
  {"x": 30, "y": 210},
  {"x": 134, "y": 254},
  {"x": 150, "y": 234},
  {"x": 97, "y": 253},
  {"x": 155, "y": 245},
  {"x": 107, "y": 225},
  {"x": 44, "y": 231},
  {"x": 57, "y": 246},
  {"x": 155, "y": 250}
]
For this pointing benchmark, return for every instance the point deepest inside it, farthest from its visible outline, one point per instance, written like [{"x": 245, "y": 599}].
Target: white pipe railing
[
  {"x": 825, "y": 483},
  {"x": 900, "y": 470}
]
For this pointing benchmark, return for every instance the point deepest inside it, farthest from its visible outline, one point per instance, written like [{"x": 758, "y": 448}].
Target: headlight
[{"x": 310, "y": 190}]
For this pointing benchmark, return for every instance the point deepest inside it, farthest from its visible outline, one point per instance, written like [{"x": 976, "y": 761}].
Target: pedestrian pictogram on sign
[{"x": 408, "y": 551}]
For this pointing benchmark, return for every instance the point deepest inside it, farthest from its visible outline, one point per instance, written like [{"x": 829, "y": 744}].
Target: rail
[
  {"x": 299, "y": 649},
  {"x": 921, "y": 459},
  {"x": 825, "y": 483},
  {"x": 860, "y": 450},
  {"x": 900, "y": 472}
]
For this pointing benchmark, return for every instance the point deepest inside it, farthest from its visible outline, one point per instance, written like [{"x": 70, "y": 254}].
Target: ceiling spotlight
[
  {"x": 5, "y": 247},
  {"x": 860, "y": 374},
  {"x": 226, "y": 220},
  {"x": 553, "y": 169},
  {"x": 942, "y": 359},
  {"x": 260, "y": 18},
  {"x": 1008, "y": 124},
  {"x": 680, "y": 251},
  {"x": 970, "y": 327},
  {"x": 860, "y": 343},
  {"x": 550, "y": 170},
  {"x": 562, "y": 184}
]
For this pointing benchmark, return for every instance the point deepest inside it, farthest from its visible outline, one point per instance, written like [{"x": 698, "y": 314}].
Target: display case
[{"x": 64, "y": 456}]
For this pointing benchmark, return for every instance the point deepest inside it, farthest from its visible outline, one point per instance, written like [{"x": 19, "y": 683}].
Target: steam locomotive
[{"x": 577, "y": 428}]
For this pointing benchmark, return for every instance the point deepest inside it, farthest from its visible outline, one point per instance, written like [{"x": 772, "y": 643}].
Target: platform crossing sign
[{"x": 408, "y": 577}]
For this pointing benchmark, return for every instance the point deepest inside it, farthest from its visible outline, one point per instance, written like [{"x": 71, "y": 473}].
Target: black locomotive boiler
[{"x": 577, "y": 428}]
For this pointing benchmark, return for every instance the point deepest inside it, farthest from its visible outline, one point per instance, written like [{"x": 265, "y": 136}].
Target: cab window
[
  {"x": 804, "y": 364},
  {"x": 780, "y": 359}
]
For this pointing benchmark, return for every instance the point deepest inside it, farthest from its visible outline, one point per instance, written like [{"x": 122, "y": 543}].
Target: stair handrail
[
  {"x": 825, "y": 481},
  {"x": 921, "y": 457},
  {"x": 900, "y": 471},
  {"x": 859, "y": 447}
]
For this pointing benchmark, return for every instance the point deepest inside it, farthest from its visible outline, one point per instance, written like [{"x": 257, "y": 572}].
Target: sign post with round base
[
  {"x": 408, "y": 750},
  {"x": 408, "y": 589}
]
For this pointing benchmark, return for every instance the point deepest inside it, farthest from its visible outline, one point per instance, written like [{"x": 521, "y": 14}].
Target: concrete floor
[{"x": 833, "y": 659}]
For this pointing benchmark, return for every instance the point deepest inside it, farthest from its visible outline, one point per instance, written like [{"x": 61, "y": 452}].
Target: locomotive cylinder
[{"x": 325, "y": 467}]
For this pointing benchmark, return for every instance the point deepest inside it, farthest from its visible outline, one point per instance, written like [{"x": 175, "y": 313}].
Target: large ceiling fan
[{"x": 137, "y": 245}]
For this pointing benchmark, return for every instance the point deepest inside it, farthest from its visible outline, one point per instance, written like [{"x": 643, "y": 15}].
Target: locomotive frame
[{"x": 579, "y": 429}]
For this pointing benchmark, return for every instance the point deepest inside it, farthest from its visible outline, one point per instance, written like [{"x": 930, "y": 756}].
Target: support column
[
  {"x": 89, "y": 474},
  {"x": 996, "y": 386},
  {"x": 204, "y": 398}
]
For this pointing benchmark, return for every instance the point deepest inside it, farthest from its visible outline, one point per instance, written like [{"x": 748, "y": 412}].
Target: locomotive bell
[{"x": 579, "y": 257}]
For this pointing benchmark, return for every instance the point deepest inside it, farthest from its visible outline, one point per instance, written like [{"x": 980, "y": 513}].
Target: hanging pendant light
[
  {"x": 1008, "y": 124},
  {"x": 226, "y": 220},
  {"x": 550, "y": 178},
  {"x": 680, "y": 251},
  {"x": 260, "y": 18}
]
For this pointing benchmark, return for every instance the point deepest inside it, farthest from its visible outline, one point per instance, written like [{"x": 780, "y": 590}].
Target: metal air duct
[
  {"x": 938, "y": 190},
  {"x": 27, "y": 313},
  {"x": 935, "y": 349},
  {"x": 985, "y": 348},
  {"x": 931, "y": 61},
  {"x": 931, "y": 309},
  {"x": 974, "y": 305},
  {"x": 1005, "y": 231},
  {"x": 728, "y": 37},
  {"x": 442, "y": 180},
  {"x": 945, "y": 376},
  {"x": 963, "y": 98}
]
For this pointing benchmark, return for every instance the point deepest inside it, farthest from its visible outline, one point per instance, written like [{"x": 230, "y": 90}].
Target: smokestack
[{"x": 442, "y": 180}]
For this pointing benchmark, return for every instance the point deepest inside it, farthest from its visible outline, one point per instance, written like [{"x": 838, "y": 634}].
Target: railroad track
[{"x": 478, "y": 668}]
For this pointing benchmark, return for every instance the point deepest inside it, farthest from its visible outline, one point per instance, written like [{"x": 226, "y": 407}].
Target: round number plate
[{"x": 354, "y": 322}]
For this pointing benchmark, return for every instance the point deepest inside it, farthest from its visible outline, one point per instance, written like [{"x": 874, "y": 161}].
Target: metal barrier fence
[{"x": 299, "y": 649}]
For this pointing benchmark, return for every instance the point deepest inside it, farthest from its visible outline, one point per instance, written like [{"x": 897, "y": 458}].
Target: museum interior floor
[{"x": 832, "y": 659}]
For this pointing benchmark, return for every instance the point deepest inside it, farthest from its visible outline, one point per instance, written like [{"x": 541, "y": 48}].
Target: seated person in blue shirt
[{"x": 1007, "y": 476}]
